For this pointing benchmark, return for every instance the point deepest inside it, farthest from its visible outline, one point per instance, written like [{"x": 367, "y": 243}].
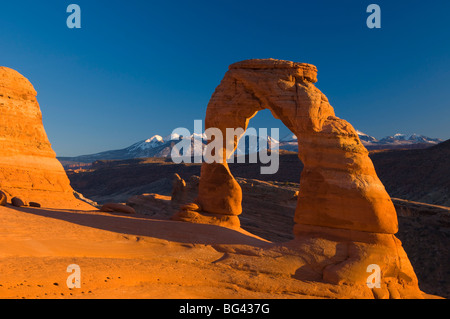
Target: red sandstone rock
[
  {"x": 18, "y": 202},
  {"x": 3, "y": 199},
  {"x": 338, "y": 173},
  {"x": 192, "y": 207},
  {"x": 344, "y": 216},
  {"x": 28, "y": 165},
  {"x": 119, "y": 208},
  {"x": 178, "y": 189}
]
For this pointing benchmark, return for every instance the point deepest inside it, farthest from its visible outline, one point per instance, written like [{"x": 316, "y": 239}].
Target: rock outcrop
[
  {"x": 178, "y": 189},
  {"x": 344, "y": 221},
  {"x": 28, "y": 165},
  {"x": 117, "y": 208},
  {"x": 3, "y": 199}
]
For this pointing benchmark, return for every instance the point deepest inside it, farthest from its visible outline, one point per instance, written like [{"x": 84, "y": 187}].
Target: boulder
[
  {"x": 34, "y": 204},
  {"x": 18, "y": 202},
  {"x": 118, "y": 208}
]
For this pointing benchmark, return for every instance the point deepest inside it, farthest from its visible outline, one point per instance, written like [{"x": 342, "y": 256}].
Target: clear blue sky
[{"x": 140, "y": 68}]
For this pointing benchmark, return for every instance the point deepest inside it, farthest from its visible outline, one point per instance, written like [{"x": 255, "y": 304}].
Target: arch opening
[{"x": 268, "y": 200}]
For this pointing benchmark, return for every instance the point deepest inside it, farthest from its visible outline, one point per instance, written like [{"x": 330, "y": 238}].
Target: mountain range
[
  {"x": 158, "y": 146},
  {"x": 398, "y": 141}
]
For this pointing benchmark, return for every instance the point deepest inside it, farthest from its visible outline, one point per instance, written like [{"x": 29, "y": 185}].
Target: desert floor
[
  {"x": 133, "y": 256},
  {"x": 119, "y": 256}
]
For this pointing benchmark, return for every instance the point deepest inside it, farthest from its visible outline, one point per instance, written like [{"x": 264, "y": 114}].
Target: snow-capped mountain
[
  {"x": 409, "y": 139},
  {"x": 158, "y": 146},
  {"x": 366, "y": 138},
  {"x": 253, "y": 144},
  {"x": 289, "y": 138},
  {"x": 289, "y": 142},
  {"x": 397, "y": 141},
  {"x": 150, "y": 143}
]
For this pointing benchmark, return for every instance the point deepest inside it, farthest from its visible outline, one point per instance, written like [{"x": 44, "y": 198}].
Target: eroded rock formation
[
  {"x": 28, "y": 165},
  {"x": 118, "y": 208},
  {"x": 3, "y": 199},
  {"x": 344, "y": 221}
]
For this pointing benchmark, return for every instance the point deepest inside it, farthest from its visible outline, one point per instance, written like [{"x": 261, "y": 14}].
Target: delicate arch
[
  {"x": 345, "y": 220},
  {"x": 338, "y": 188}
]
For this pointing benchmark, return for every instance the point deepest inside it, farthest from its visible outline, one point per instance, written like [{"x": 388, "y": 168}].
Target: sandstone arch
[
  {"x": 341, "y": 200},
  {"x": 338, "y": 173}
]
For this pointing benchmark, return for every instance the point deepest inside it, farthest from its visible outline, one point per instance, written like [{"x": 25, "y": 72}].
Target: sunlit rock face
[
  {"x": 28, "y": 165},
  {"x": 345, "y": 220}
]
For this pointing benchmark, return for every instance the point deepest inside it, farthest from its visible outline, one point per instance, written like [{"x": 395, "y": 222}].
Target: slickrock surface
[
  {"x": 345, "y": 220},
  {"x": 134, "y": 256},
  {"x": 28, "y": 165}
]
